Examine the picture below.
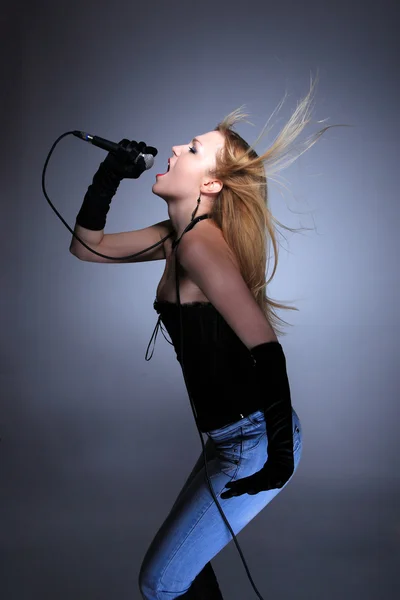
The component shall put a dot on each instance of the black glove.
(273, 383)
(115, 167)
(121, 163)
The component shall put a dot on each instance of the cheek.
(188, 172)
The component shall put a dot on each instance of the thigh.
(209, 449)
(194, 531)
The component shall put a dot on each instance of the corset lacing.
(155, 332)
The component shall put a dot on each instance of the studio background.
(97, 442)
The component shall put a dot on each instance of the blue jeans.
(177, 562)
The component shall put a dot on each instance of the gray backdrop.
(97, 442)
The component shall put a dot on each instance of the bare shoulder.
(210, 236)
(205, 230)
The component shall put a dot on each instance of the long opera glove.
(273, 385)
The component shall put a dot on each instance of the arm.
(209, 264)
(91, 238)
(125, 243)
(91, 219)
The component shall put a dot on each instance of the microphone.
(113, 147)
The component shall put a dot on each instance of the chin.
(156, 193)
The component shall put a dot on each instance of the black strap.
(189, 227)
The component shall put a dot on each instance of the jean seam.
(196, 523)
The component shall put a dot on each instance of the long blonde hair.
(241, 209)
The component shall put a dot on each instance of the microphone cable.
(189, 226)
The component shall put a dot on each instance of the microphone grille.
(148, 159)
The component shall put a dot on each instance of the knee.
(152, 589)
(147, 591)
(150, 585)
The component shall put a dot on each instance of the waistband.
(225, 429)
(217, 422)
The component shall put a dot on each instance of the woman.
(230, 327)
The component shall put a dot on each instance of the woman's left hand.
(270, 477)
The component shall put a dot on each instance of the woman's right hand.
(122, 164)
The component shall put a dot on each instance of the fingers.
(232, 491)
(125, 143)
(141, 146)
(151, 150)
(230, 494)
(147, 149)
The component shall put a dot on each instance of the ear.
(213, 186)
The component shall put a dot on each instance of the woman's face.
(189, 167)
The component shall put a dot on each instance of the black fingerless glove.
(112, 170)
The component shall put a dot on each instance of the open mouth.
(161, 174)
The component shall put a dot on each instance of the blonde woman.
(235, 367)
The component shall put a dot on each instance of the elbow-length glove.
(273, 383)
(113, 169)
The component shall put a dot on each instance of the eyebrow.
(196, 140)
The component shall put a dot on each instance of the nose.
(174, 149)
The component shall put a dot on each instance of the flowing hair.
(241, 209)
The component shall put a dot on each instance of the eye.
(192, 149)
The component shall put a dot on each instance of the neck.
(181, 219)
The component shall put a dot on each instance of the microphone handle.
(111, 146)
(97, 141)
(102, 143)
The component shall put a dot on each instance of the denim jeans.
(177, 562)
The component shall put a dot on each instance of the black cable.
(191, 224)
(71, 230)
